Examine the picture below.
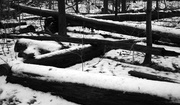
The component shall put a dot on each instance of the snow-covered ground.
(14, 94)
(116, 62)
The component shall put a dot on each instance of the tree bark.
(94, 89)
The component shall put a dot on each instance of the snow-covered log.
(29, 48)
(141, 74)
(68, 57)
(135, 16)
(94, 89)
(123, 44)
(158, 32)
(4, 69)
(10, 25)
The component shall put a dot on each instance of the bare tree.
(147, 59)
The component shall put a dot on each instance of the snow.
(61, 51)
(126, 84)
(18, 95)
(114, 65)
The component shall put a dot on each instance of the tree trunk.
(105, 9)
(1, 9)
(77, 6)
(113, 5)
(62, 18)
(124, 5)
(116, 9)
(94, 89)
(50, 4)
(157, 9)
(147, 59)
(157, 5)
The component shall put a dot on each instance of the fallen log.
(29, 28)
(135, 16)
(158, 32)
(4, 69)
(123, 44)
(152, 76)
(11, 25)
(94, 89)
(28, 48)
(67, 57)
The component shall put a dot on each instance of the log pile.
(82, 87)
(86, 88)
(55, 54)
